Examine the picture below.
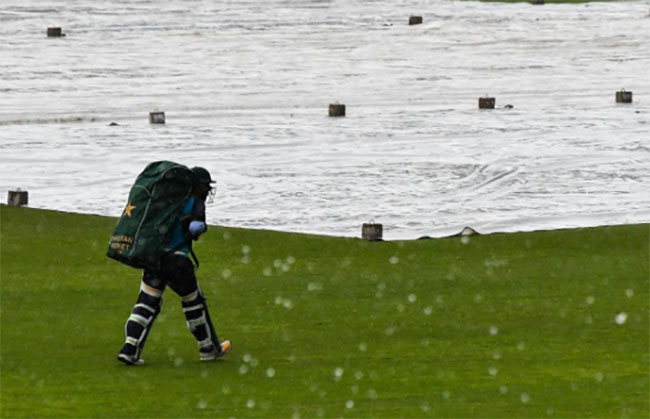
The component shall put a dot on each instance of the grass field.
(542, 324)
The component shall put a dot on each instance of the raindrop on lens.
(202, 404)
(590, 299)
(621, 318)
(394, 260)
(525, 398)
(629, 293)
(427, 311)
(363, 347)
(270, 372)
(494, 330)
(412, 298)
(250, 403)
(338, 373)
(349, 404)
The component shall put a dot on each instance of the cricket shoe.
(211, 354)
(130, 359)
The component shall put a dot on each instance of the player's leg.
(196, 311)
(142, 317)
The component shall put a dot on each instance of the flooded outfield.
(246, 90)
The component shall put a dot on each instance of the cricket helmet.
(203, 182)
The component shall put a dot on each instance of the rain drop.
(226, 273)
(496, 354)
(412, 298)
(266, 271)
(245, 249)
(503, 389)
(363, 347)
(427, 311)
(250, 403)
(629, 293)
(394, 260)
(202, 404)
(372, 394)
(525, 398)
(349, 404)
(621, 318)
(493, 371)
(521, 346)
(247, 358)
(446, 395)
(314, 286)
(338, 373)
(494, 330)
(599, 376)
(590, 299)
(243, 369)
(358, 375)
(178, 362)
(270, 372)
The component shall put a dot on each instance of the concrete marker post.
(54, 32)
(156, 117)
(336, 109)
(17, 198)
(486, 102)
(372, 231)
(623, 96)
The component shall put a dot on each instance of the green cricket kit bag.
(143, 230)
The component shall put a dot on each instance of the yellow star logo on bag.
(128, 209)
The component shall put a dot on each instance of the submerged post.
(337, 109)
(54, 32)
(156, 117)
(17, 198)
(371, 231)
(623, 96)
(486, 102)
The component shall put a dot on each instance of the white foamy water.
(246, 85)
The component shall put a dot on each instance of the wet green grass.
(505, 325)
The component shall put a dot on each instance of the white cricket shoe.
(130, 359)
